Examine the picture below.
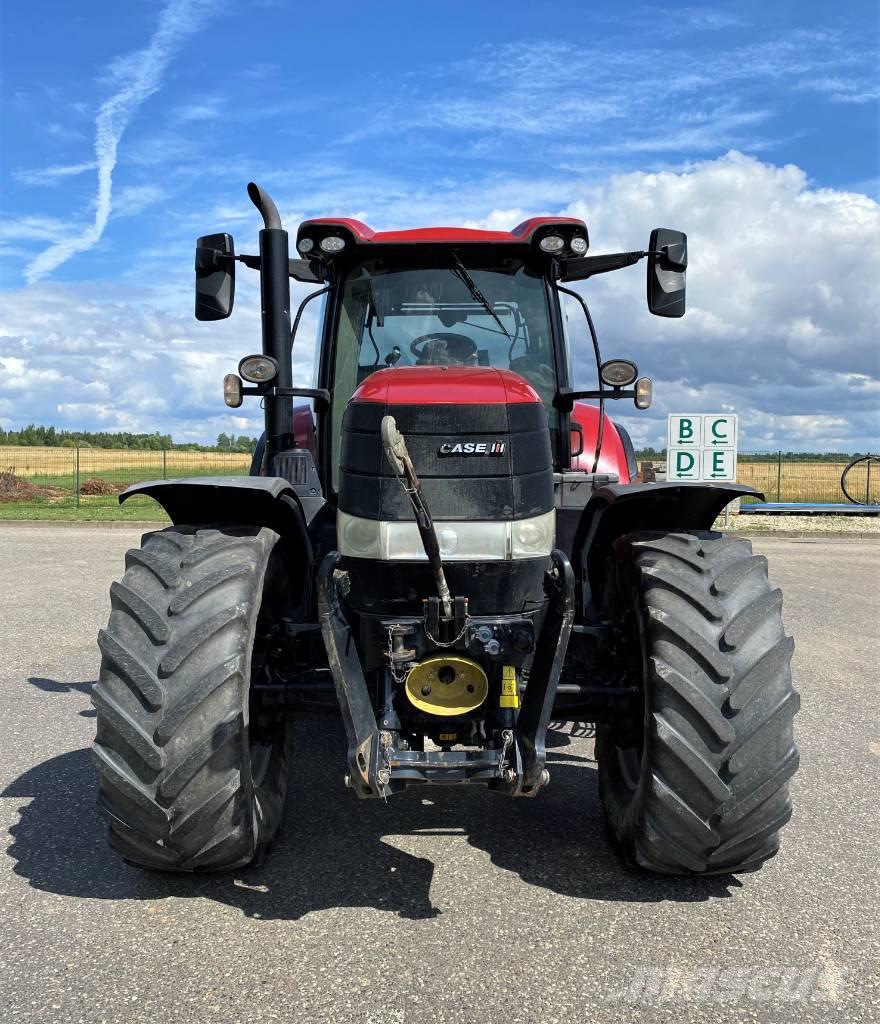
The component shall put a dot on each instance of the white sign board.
(701, 446)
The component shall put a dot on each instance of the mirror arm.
(320, 395)
(565, 398)
(588, 266)
(299, 270)
(581, 268)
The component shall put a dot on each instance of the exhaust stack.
(275, 306)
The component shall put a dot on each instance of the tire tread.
(172, 702)
(713, 794)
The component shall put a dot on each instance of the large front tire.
(192, 768)
(697, 782)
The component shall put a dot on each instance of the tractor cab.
(459, 297)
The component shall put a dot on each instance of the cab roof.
(363, 234)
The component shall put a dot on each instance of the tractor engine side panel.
(617, 455)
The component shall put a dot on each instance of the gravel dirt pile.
(95, 485)
(16, 489)
(13, 488)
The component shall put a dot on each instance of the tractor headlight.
(459, 541)
(530, 538)
(447, 536)
(552, 243)
(644, 393)
(258, 369)
(305, 245)
(579, 245)
(332, 243)
(359, 538)
(232, 390)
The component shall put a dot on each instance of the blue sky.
(129, 129)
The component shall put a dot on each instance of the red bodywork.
(446, 385)
(364, 234)
(612, 458)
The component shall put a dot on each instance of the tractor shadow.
(333, 850)
(54, 686)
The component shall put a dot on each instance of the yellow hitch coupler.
(447, 685)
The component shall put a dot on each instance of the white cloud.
(38, 229)
(51, 175)
(783, 310)
(623, 96)
(138, 75)
(132, 199)
(783, 302)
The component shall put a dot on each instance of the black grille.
(514, 485)
(441, 419)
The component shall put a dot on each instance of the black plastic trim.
(619, 509)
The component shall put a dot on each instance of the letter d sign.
(683, 464)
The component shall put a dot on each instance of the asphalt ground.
(440, 905)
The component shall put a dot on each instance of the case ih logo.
(473, 448)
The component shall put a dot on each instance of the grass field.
(48, 480)
(142, 465)
(809, 481)
(50, 477)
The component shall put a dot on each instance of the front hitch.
(377, 767)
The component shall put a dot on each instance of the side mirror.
(215, 277)
(667, 267)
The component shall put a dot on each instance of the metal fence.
(786, 479)
(57, 482)
(54, 482)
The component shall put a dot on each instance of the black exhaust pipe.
(275, 305)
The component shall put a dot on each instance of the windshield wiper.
(461, 272)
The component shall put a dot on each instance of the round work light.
(618, 373)
(258, 369)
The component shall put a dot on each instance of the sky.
(126, 130)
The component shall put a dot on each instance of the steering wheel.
(439, 348)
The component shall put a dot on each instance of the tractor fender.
(618, 509)
(238, 501)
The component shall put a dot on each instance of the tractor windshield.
(456, 313)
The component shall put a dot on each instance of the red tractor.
(448, 539)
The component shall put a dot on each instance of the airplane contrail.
(141, 72)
